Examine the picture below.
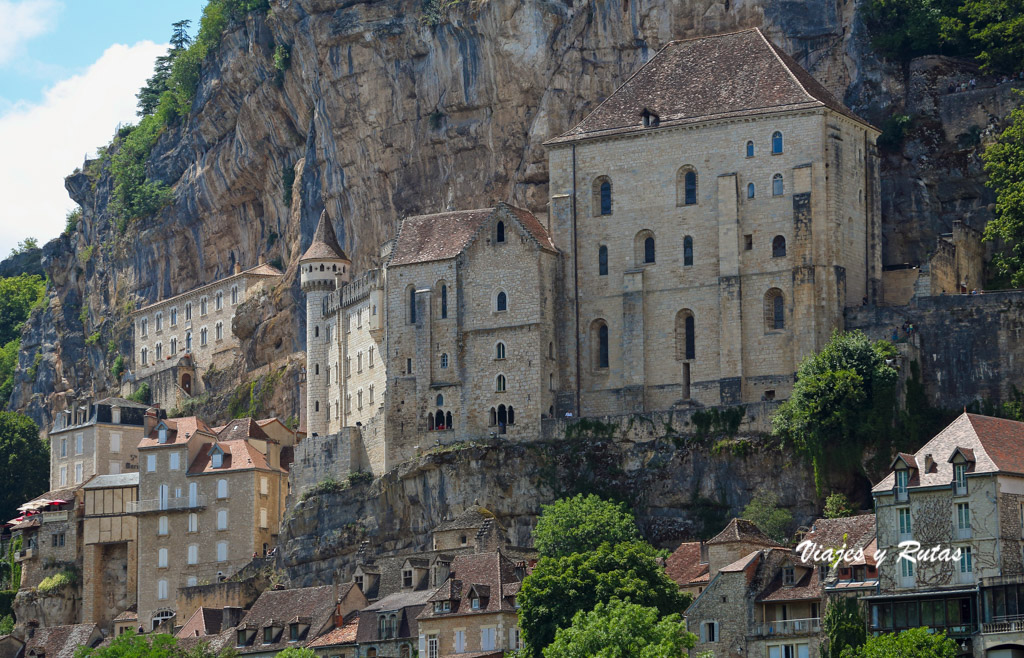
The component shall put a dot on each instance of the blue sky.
(69, 71)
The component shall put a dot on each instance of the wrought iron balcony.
(790, 627)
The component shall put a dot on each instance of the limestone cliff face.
(381, 114)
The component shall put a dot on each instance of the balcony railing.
(790, 627)
(1004, 625)
(54, 517)
(158, 505)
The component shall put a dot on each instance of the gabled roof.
(471, 518)
(314, 603)
(325, 242)
(808, 587)
(854, 531)
(239, 455)
(694, 80)
(242, 428)
(906, 458)
(344, 634)
(179, 430)
(685, 567)
(741, 530)
(426, 238)
(484, 575)
(121, 402)
(263, 269)
(203, 622)
(741, 564)
(997, 445)
(61, 641)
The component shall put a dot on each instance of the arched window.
(499, 232)
(203, 333)
(220, 331)
(774, 310)
(444, 301)
(750, 149)
(776, 142)
(602, 260)
(649, 249)
(511, 415)
(159, 351)
(448, 420)
(499, 383)
(502, 418)
(599, 336)
(501, 301)
(188, 341)
(439, 420)
(602, 196)
(750, 190)
(643, 248)
(686, 186)
(444, 363)
(383, 630)
(440, 400)
(430, 422)
(778, 247)
(687, 251)
(316, 331)
(777, 186)
(499, 350)
(493, 418)
(412, 305)
(144, 355)
(685, 335)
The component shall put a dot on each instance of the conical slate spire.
(325, 243)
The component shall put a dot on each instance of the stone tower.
(323, 269)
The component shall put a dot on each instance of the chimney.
(928, 463)
(152, 418)
(232, 617)
(262, 259)
(238, 270)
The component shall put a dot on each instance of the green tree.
(763, 511)
(18, 294)
(838, 506)
(912, 643)
(1004, 164)
(620, 629)
(843, 399)
(994, 29)
(6, 625)
(160, 645)
(843, 626)
(8, 365)
(24, 462)
(149, 95)
(559, 587)
(902, 29)
(581, 524)
(296, 652)
(28, 244)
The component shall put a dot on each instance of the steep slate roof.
(684, 566)
(807, 588)
(61, 641)
(487, 574)
(284, 605)
(741, 530)
(997, 445)
(242, 428)
(178, 432)
(207, 621)
(121, 402)
(325, 242)
(740, 564)
(470, 519)
(715, 77)
(854, 531)
(425, 238)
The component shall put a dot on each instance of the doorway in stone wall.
(186, 384)
(686, 381)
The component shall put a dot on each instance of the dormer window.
(407, 578)
(649, 119)
(960, 477)
(788, 576)
(241, 639)
(359, 582)
(161, 435)
(268, 635)
(293, 632)
(217, 459)
(474, 603)
(442, 606)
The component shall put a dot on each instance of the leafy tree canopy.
(581, 524)
(620, 629)
(18, 294)
(1004, 164)
(24, 462)
(994, 29)
(160, 645)
(560, 587)
(763, 511)
(843, 399)
(296, 652)
(838, 506)
(843, 626)
(912, 643)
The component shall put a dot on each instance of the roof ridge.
(775, 52)
(715, 36)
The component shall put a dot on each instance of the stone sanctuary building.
(703, 238)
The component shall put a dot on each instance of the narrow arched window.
(601, 196)
(750, 190)
(501, 302)
(774, 310)
(691, 188)
(778, 247)
(430, 421)
(444, 301)
(412, 305)
(777, 187)
(686, 342)
(606, 198)
(649, 249)
(499, 232)
(776, 142)
(499, 351)
(493, 418)
(444, 364)
(750, 149)
(316, 331)
(502, 417)
(511, 415)
(687, 251)
(599, 335)
(439, 420)
(499, 383)
(448, 420)
(602, 260)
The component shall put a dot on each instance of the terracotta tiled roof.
(239, 455)
(325, 242)
(61, 641)
(907, 458)
(179, 430)
(740, 564)
(484, 575)
(723, 76)
(242, 428)
(997, 445)
(425, 238)
(684, 566)
(344, 634)
(741, 530)
(203, 622)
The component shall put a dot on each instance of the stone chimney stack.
(232, 617)
(152, 418)
(238, 270)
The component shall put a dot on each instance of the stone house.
(688, 567)
(177, 339)
(209, 502)
(963, 490)
(95, 438)
(712, 233)
(109, 548)
(50, 532)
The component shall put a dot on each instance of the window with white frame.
(234, 295)
(203, 336)
(150, 463)
(63, 476)
(64, 449)
(219, 300)
(144, 327)
(144, 356)
(159, 351)
(219, 331)
(161, 526)
(79, 443)
(460, 641)
(115, 442)
(161, 559)
(371, 358)
(515, 642)
(159, 321)
(203, 305)
(222, 551)
(188, 311)
(174, 317)
(264, 485)
(222, 519)
(906, 527)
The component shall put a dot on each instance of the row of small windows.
(204, 336)
(685, 330)
(158, 318)
(645, 250)
(500, 301)
(776, 145)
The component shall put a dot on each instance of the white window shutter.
(703, 633)
(423, 644)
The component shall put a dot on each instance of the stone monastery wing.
(716, 77)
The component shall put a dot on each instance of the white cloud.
(44, 142)
(21, 21)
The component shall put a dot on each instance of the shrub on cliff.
(1004, 164)
(844, 399)
(581, 524)
(763, 511)
(621, 628)
(18, 294)
(135, 196)
(24, 462)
